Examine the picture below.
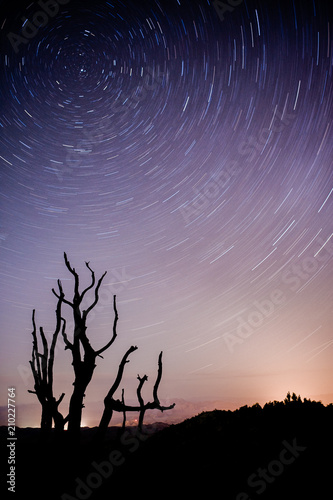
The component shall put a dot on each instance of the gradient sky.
(188, 152)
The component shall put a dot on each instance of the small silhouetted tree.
(287, 398)
(42, 369)
(111, 404)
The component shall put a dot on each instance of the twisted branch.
(114, 330)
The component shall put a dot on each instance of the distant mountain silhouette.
(280, 451)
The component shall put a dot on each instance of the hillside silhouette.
(282, 450)
(237, 454)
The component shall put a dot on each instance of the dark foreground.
(282, 451)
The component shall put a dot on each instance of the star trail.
(186, 148)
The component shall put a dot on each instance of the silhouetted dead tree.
(42, 369)
(111, 404)
(155, 404)
(83, 368)
(83, 362)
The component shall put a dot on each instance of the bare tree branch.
(138, 391)
(45, 354)
(54, 338)
(62, 295)
(114, 330)
(140, 399)
(109, 401)
(124, 411)
(91, 284)
(60, 399)
(35, 364)
(68, 344)
(119, 376)
(71, 269)
(86, 312)
(158, 379)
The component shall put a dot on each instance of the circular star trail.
(187, 149)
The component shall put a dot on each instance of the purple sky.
(188, 153)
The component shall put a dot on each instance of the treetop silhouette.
(83, 362)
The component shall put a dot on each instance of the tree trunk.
(105, 420)
(59, 422)
(75, 410)
(141, 417)
(46, 420)
(84, 373)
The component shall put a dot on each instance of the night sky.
(187, 150)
